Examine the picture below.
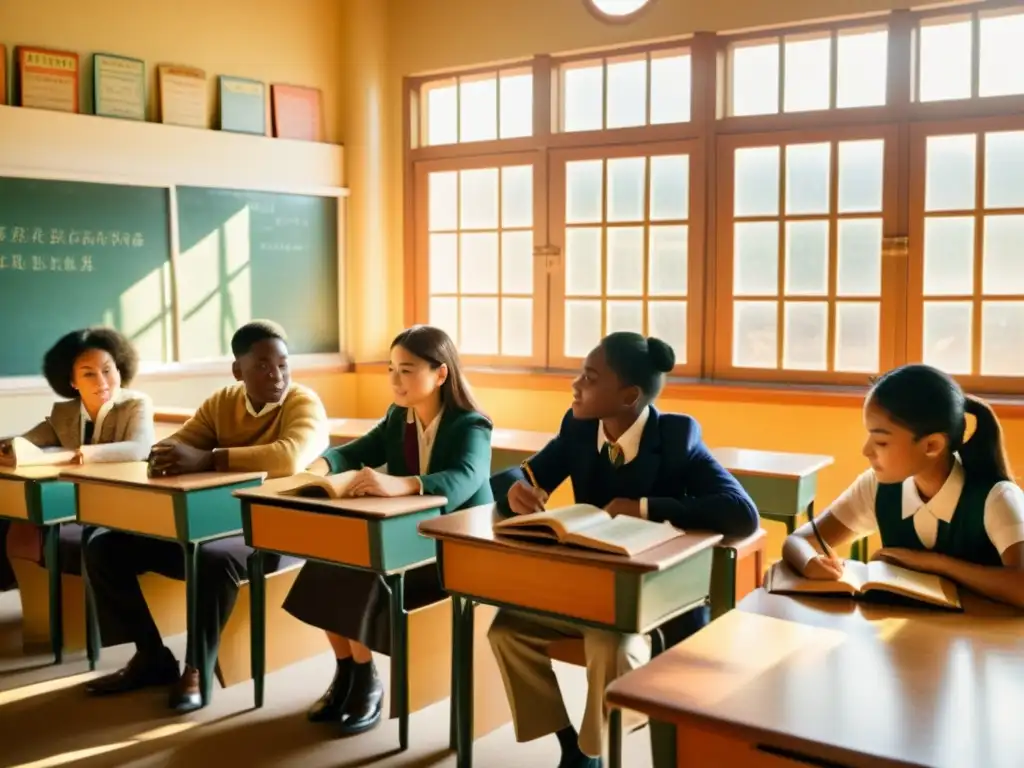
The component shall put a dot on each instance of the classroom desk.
(188, 509)
(35, 495)
(634, 595)
(369, 534)
(786, 682)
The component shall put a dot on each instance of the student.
(263, 424)
(434, 440)
(624, 456)
(941, 504)
(98, 421)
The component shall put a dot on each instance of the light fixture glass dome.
(618, 7)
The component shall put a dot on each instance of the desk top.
(365, 506)
(846, 681)
(134, 474)
(42, 472)
(744, 461)
(476, 525)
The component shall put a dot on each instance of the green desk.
(368, 534)
(629, 595)
(188, 509)
(35, 495)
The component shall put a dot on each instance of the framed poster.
(119, 86)
(182, 96)
(297, 111)
(47, 79)
(243, 105)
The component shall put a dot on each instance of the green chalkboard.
(75, 254)
(246, 255)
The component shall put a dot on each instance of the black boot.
(328, 707)
(362, 710)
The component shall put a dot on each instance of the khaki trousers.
(520, 644)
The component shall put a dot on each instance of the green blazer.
(460, 462)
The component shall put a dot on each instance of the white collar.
(943, 504)
(101, 415)
(629, 443)
(425, 431)
(267, 408)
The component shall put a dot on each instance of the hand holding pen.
(826, 567)
(526, 498)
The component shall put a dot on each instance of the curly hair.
(254, 332)
(59, 361)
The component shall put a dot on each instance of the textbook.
(19, 452)
(589, 527)
(307, 484)
(859, 579)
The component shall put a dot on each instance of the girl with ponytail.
(941, 495)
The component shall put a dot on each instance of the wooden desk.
(188, 509)
(370, 534)
(827, 681)
(635, 594)
(35, 495)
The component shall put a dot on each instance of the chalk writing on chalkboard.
(61, 236)
(37, 263)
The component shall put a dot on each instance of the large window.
(811, 205)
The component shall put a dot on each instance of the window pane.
(517, 262)
(668, 260)
(478, 262)
(949, 256)
(444, 263)
(859, 268)
(1004, 168)
(807, 178)
(517, 196)
(582, 327)
(625, 316)
(670, 89)
(584, 98)
(857, 335)
(478, 327)
(755, 334)
(807, 258)
(625, 261)
(627, 182)
(516, 104)
(444, 314)
(479, 199)
(947, 336)
(517, 327)
(583, 188)
(1003, 256)
(949, 173)
(670, 187)
(945, 61)
(443, 201)
(862, 69)
(806, 336)
(442, 115)
(808, 68)
(861, 165)
(1001, 65)
(756, 182)
(478, 109)
(1002, 338)
(667, 321)
(755, 79)
(583, 261)
(627, 93)
(756, 258)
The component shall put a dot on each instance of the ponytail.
(984, 454)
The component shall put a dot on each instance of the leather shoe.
(362, 709)
(328, 708)
(142, 671)
(186, 695)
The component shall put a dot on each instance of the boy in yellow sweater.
(262, 424)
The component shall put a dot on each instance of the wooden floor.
(46, 720)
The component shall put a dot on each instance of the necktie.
(88, 432)
(411, 448)
(615, 455)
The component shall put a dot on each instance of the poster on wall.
(243, 105)
(182, 95)
(119, 86)
(297, 112)
(47, 79)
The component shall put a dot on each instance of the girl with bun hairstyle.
(623, 455)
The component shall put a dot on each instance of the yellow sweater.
(280, 442)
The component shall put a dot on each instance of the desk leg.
(93, 641)
(53, 568)
(663, 744)
(196, 657)
(464, 698)
(723, 581)
(615, 738)
(257, 624)
(453, 716)
(400, 657)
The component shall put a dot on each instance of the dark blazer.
(683, 483)
(460, 462)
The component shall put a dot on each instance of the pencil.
(529, 474)
(825, 548)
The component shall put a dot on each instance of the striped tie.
(615, 455)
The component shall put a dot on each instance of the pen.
(825, 548)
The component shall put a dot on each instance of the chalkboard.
(246, 255)
(76, 254)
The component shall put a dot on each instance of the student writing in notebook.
(942, 504)
(434, 440)
(264, 423)
(623, 455)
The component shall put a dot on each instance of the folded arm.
(140, 435)
(1003, 583)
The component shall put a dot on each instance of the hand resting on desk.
(174, 458)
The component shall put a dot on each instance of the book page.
(564, 520)
(924, 586)
(782, 578)
(624, 535)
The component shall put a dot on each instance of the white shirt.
(267, 407)
(425, 439)
(629, 444)
(1004, 508)
(100, 418)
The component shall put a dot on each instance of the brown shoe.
(186, 695)
(140, 672)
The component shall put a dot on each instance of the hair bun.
(660, 354)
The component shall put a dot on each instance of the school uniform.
(661, 461)
(450, 457)
(971, 520)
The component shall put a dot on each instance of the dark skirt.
(357, 604)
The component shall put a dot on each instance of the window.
(481, 107)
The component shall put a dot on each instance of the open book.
(19, 452)
(861, 578)
(308, 484)
(583, 525)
